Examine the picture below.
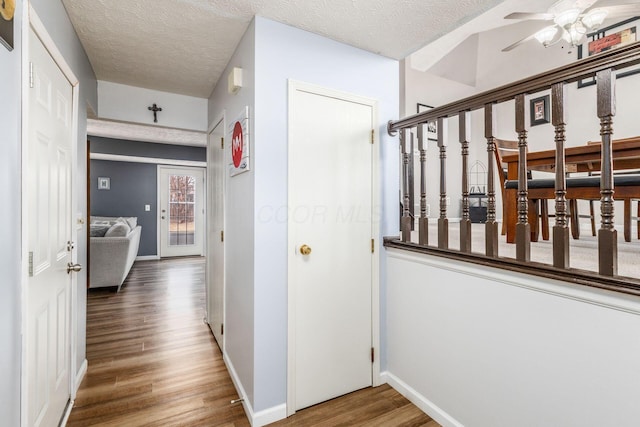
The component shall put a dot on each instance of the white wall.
(58, 25)
(283, 53)
(478, 346)
(10, 259)
(130, 104)
(256, 282)
(239, 229)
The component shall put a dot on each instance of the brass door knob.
(73, 267)
(305, 250)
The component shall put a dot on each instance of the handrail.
(621, 57)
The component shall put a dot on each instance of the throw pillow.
(132, 221)
(119, 229)
(98, 230)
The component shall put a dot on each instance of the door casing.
(294, 86)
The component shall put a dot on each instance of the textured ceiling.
(182, 46)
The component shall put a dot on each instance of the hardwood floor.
(154, 362)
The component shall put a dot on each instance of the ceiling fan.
(571, 20)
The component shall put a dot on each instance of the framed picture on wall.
(432, 127)
(611, 37)
(539, 110)
(104, 183)
(7, 10)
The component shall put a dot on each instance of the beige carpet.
(583, 252)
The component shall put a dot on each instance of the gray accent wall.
(132, 186)
(10, 305)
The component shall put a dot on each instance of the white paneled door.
(49, 229)
(330, 232)
(181, 191)
(215, 237)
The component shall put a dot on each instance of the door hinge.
(222, 236)
(31, 74)
(372, 135)
(222, 143)
(373, 354)
(373, 245)
(221, 328)
(30, 264)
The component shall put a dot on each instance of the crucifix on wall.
(155, 110)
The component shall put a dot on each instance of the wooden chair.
(538, 208)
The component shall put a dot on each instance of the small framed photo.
(7, 12)
(104, 183)
(432, 127)
(539, 109)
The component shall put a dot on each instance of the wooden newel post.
(423, 222)
(523, 228)
(607, 235)
(491, 226)
(560, 229)
(405, 222)
(464, 126)
(443, 222)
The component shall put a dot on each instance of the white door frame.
(31, 20)
(218, 123)
(203, 205)
(294, 86)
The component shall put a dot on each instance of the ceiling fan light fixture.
(546, 34)
(594, 18)
(574, 34)
(566, 18)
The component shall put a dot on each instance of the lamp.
(594, 18)
(546, 34)
(567, 17)
(574, 34)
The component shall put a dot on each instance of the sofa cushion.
(98, 230)
(132, 221)
(119, 229)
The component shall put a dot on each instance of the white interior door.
(49, 230)
(330, 196)
(181, 196)
(215, 240)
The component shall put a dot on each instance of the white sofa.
(113, 248)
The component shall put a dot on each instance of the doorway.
(181, 199)
(332, 265)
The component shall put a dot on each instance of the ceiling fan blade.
(527, 15)
(518, 43)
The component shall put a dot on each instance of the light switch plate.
(147, 208)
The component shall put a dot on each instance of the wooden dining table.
(582, 158)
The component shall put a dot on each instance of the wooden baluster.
(423, 225)
(523, 228)
(464, 127)
(607, 235)
(561, 228)
(443, 222)
(491, 226)
(405, 223)
(412, 190)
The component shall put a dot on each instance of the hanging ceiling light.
(573, 26)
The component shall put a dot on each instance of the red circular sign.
(236, 144)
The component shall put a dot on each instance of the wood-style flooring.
(154, 362)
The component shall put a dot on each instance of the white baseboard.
(147, 258)
(80, 376)
(270, 415)
(257, 419)
(428, 407)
